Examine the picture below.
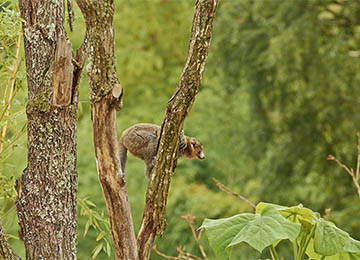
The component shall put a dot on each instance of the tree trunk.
(46, 202)
(178, 107)
(106, 95)
(6, 252)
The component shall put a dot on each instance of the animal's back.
(140, 139)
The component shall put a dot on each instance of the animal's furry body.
(141, 141)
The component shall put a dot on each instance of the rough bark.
(46, 202)
(6, 252)
(106, 95)
(178, 107)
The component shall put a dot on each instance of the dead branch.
(106, 99)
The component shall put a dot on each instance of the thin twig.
(182, 255)
(186, 254)
(349, 171)
(190, 220)
(163, 255)
(227, 190)
(358, 159)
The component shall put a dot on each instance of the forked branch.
(350, 171)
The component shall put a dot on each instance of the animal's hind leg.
(149, 166)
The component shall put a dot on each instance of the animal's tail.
(123, 156)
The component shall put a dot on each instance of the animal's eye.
(193, 143)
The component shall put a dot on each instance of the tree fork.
(178, 107)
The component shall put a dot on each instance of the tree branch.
(350, 171)
(229, 191)
(178, 107)
(190, 220)
(106, 98)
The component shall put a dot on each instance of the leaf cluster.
(308, 233)
(100, 223)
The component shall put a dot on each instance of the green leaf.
(353, 246)
(265, 229)
(89, 202)
(108, 248)
(100, 236)
(329, 239)
(295, 214)
(258, 230)
(97, 250)
(339, 256)
(221, 232)
(87, 226)
(351, 251)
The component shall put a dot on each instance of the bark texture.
(178, 107)
(46, 202)
(106, 96)
(6, 253)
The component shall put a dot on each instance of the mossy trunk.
(47, 190)
(177, 109)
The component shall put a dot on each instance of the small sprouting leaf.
(82, 212)
(294, 214)
(89, 202)
(87, 226)
(94, 222)
(108, 248)
(97, 250)
(329, 239)
(258, 230)
(100, 236)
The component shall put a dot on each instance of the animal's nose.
(202, 156)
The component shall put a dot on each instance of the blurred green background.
(280, 92)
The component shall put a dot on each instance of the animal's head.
(194, 149)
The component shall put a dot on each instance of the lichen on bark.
(46, 202)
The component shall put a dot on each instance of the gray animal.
(141, 141)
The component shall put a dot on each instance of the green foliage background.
(280, 92)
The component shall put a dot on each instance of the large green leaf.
(329, 239)
(258, 230)
(221, 232)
